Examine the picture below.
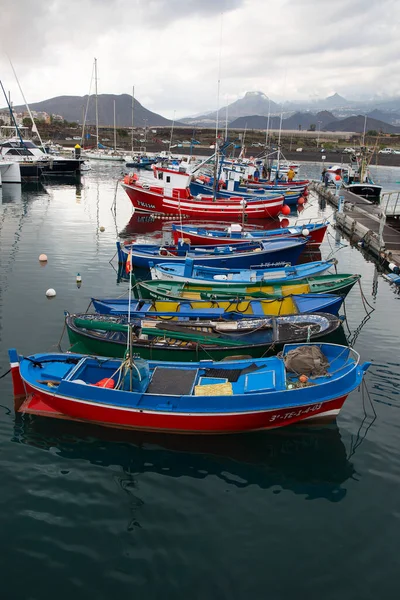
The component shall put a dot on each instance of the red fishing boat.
(206, 397)
(169, 194)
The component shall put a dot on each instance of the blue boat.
(314, 232)
(143, 162)
(191, 270)
(231, 308)
(179, 397)
(291, 196)
(272, 253)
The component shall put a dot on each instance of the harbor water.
(309, 512)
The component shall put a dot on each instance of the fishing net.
(307, 360)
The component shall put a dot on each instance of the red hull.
(153, 201)
(315, 238)
(42, 403)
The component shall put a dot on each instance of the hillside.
(71, 108)
(391, 118)
(252, 103)
(296, 121)
(356, 124)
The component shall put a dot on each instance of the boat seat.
(174, 382)
(146, 307)
(257, 308)
(259, 381)
(266, 379)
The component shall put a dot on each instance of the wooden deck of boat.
(375, 227)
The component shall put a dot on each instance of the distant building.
(5, 116)
(57, 118)
(39, 116)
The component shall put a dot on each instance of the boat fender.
(163, 252)
(305, 232)
(145, 186)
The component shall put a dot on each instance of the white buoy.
(50, 293)
(79, 278)
(392, 266)
(102, 228)
(305, 232)
(43, 258)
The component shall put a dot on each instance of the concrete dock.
(374, 226)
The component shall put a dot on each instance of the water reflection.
(304, 460)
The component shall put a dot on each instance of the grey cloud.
(292, 48)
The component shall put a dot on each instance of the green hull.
(86, 344)
(339, 285)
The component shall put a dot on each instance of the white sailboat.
(99, 153)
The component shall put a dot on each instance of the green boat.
(340, 285)
(106, 335)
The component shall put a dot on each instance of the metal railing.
(390, 203)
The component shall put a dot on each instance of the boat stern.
(18, 384)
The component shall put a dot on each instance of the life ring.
(163, 252)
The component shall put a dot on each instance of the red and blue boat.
(168, 193)
(272, 253)
(189, 398)
(200, 235)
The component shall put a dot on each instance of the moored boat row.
(229, 335)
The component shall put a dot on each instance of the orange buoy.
(285, 210)
(285, 223)
(303, 378)
(300, 200)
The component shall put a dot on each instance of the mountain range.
(297, 121)
(253, 103)
(322, 121)
(334, 113)
(72, 109)
(257, 105)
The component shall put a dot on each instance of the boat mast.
(365, 128)
(172, 133)
(115, 132)
(226, 120)
(34, 127)
(269, 115)
(12, 116)
(215, 185)
(96, 103)
(279, 144)
(133, 107)
(86, 110)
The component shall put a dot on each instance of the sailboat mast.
(172, 133)
(96, 103)
(269, 115)
(34, 127)
(279, 144)
(12, 116)
(216, 145)
(86, 110)
(115, 132)
(365, 128)
(226, 120)
(133, 108)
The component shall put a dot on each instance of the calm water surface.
(88, 512)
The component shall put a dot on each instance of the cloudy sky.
(174, 50)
